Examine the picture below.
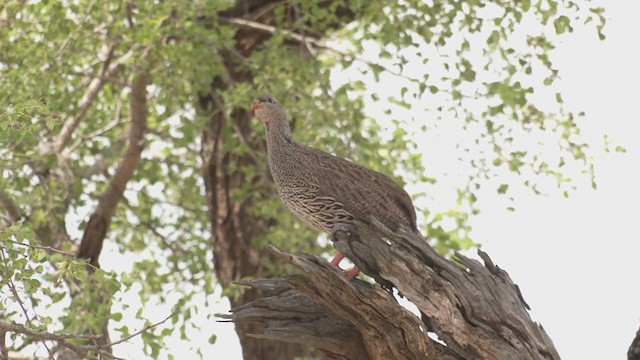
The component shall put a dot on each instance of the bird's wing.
(362, 192)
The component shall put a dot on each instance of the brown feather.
(324, 190)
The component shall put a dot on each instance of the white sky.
(575, 259)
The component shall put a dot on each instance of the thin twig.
(12, 287)
(42, 247)
(267, 8)
(254, 25)
(6, 326)
(14, 291)
(171, 245)
(147, 328)
(62, 339)
(108, 70)
(115, 122)
(308, 41)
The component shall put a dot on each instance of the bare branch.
(96, 229)
(305, 311)
(145, 329)
(117, 121)
(46, 233)
(109, 69)
(45, 248)
(14, 291)
(17, 297)
(131, 158)
(172, 245)
(254, 25)
(98, 225)
(62, 339)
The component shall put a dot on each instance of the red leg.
(349, 274)
(352, 273)
(336, 260)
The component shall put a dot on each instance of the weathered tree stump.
(474, 309)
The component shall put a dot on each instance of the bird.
(324, 190)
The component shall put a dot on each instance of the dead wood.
(473, 308)
(634, 349)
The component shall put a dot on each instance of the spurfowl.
(324, 190)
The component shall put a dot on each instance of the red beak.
(256, 105)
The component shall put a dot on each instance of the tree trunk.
(475, 309)
(233, 226)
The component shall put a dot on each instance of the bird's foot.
(349, 274)
(336, 260)
(352, 273)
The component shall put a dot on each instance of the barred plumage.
(323, 189)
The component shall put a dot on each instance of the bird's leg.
(352, 273)
(336, 260)
(345, 229)
(349, 274)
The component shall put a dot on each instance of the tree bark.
(233, 228)
(475, 309)
(634, 349)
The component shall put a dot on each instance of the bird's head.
(268, 110)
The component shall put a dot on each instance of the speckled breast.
(301, 195)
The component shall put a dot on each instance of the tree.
(126, 125)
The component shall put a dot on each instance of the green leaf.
(492, 40)
(562, 24)
(39, 255)
(112, 286)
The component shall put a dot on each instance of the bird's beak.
(256, 105)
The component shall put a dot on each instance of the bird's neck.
(283, 152)
(279, 137)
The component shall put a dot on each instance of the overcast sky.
(576, 260)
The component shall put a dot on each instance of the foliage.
(52, 52)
